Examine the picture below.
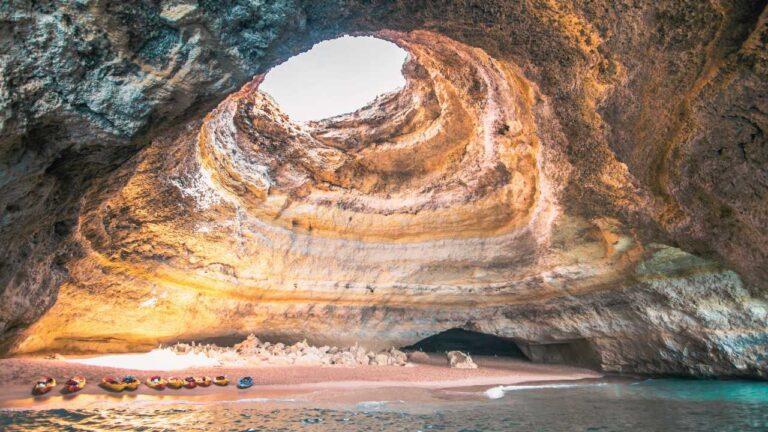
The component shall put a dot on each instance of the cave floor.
(315, 386)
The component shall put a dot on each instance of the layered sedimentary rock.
(587, 180)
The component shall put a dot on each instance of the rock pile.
(254, 351)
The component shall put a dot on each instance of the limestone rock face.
(587, 180)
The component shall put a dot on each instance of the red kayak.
(43, 385)
(203, 381)
(75, 384)
(189, 382)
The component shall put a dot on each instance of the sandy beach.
(428, 380)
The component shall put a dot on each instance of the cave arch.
(474, 343)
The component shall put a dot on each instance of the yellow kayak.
(131, 382)
(221, 380)
(112, 384)
(174, 382)
(156, 382)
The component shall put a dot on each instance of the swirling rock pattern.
(433, 161)
(528, 182)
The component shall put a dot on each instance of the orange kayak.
(174, 382)
(112, 384)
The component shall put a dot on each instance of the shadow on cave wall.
(575, 352)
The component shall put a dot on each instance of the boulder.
(397, 357)
(250, 345)
(345, 358)
(460, 360)
(360, 355)
(418, 357)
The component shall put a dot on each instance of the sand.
(307, 385)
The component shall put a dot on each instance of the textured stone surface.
(530, 182)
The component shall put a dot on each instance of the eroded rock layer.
(552, 173)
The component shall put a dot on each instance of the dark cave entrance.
(575, 352)
(474, 343)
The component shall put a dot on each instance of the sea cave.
(571, 183)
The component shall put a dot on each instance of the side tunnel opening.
(576, 352)
(474, 343)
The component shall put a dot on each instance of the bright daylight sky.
(335, 77)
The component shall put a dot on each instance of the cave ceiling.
(583, 173)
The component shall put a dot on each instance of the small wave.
(14, 409)
(371, 405)
(158, 402)
(499, 391)
(262, 400)
(142, 403)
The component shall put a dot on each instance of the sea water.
(651, 405)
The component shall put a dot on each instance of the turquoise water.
(652, 405)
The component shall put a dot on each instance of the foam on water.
(376, 405)
(499, 391)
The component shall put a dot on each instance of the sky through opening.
(335, 77)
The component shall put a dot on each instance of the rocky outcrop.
(418, 357)
(585, 179)
(253, 352)
(460, 360)
(84, 85)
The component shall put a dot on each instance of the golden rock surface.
(434, 207)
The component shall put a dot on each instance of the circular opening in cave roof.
(335, 77)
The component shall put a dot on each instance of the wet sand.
(318, 386)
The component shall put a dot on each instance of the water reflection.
(653, 405)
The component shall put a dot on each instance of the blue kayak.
(245, 382)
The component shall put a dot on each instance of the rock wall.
(85, 85)
(586, 178)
